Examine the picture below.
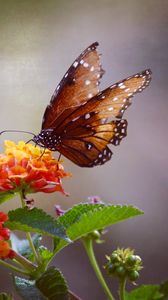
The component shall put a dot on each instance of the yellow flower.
(27, 168)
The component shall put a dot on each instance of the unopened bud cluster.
(123, 263)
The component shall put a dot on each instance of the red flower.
(24, 168)
(5, 250)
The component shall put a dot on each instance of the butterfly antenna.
(5, 131)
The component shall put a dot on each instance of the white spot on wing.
(122, 86)
(86, 64)
(87, 82)
(90, 95)
(113, 86)
(75, 64)
(92, 69)
(87, 116)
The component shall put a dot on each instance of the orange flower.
(23, 167)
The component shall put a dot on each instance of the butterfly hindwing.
(88, 147)
(78, 85)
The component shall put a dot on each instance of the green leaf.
(84, 218)
(52, 285)
(4, 296)
(22, 246)
(5, 196)
(27, 289)
(145, 292)
(164, 290)
(35, 220)
(45, 254)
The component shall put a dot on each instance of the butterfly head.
(47, 139)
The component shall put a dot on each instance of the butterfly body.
(76, 122)
(48, 139)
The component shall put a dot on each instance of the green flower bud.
(95, 235)
(110, 268)
(131, 260)
(114, 257)
(123, 263)
(138, 259)
(133, 275)
(120, 271)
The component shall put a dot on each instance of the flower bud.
(122, 263)
(133, 275)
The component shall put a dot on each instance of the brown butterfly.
(75, 122)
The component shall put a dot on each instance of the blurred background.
(38, 42)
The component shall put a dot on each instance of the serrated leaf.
(74, 214)
(52, 285)
(84, 218)
(35, 220)
(27, 289)
(5, 196)
(4, 296)
(145, 292)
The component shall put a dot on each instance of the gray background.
(38, 42)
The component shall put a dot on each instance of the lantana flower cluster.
(5, 250)
(25, 167)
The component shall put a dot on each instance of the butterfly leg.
(59, 157)
(29, 141)
(42, 153)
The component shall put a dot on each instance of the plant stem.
(13, 268)
(89, 249)
(28, 235)
(122, 289)
(24, 262)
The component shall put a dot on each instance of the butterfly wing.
(112, 102)
(88, 147)
(79, 84)
(85, 133)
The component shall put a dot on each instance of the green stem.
(28, 235)
(25, 262)
(122, 289)
(38, 260)
(89, 249)
(13, 268)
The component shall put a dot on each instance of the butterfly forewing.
(112, 102)
(78, 85)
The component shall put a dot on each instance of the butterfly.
(76, 121)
